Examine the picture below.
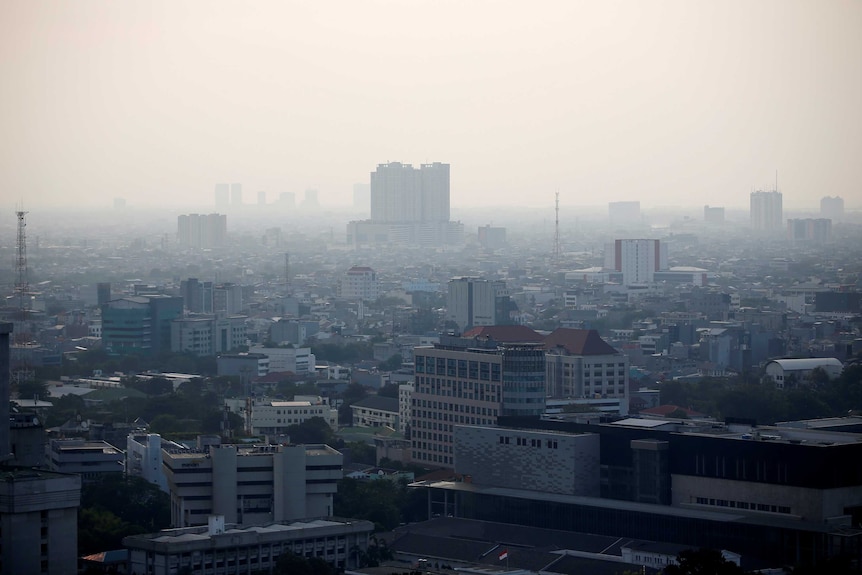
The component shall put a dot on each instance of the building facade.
(205, 335)
(470, 381)
(636, 259)
(252, 484)
(360, 283)
(268, 417)
(144, 457)
(473, 302)
(580, 364)
(544, 461)
(202, 231)
(766, 211)
(235, 550)
(91, 460)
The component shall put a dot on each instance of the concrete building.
(405, 393)
(545, 461)
(252, 484)
(263, 416)
(473, 380)
(376, 411)
(231, 549)
(293, 331)
(408, 206)
(235, 195)
(713, 215)
(139, 324)
(759, 491)
(201, 231)
(766, 211)
(144, 457)
(91, 460)
(38, 508)
(492, 238)
(636, 259)
(297, 360)
(580, 364)
(205, 335)
(793, 372)
(832, 208)
(473, 302)
(39, 521)
(809, 230)
(248, 365)
(222, 196)
(360, 283)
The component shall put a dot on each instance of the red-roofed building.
(360, 283)
(580, 364)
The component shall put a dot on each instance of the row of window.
(533, 442)
(742, 505)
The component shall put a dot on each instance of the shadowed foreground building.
(233, 549)
(782, 495)
(38, 509)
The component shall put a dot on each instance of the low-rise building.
(89, 459)
(376, 411)
(231, 549)
(787, 372)
(243, 364)
(271, 417)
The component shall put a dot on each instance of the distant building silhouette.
(624, 213)
(408, 207)
(222, 196)
(201, 230)
(637, 259)
(832, 208)
(236, 195)
(713, 215)
(809, 230)
(766, 211)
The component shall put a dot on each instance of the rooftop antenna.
(22, 372)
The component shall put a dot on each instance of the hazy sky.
(667, 102)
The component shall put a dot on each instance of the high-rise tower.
(766, 211)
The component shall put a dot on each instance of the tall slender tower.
(21, 370)
(557, 251)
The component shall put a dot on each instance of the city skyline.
(670, 104)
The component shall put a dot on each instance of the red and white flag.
(504, 554)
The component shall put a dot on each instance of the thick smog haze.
(669, 103)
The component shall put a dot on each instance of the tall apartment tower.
(637, 259)
(236, 195)
(713, 215)
(832, 208)
(222, 196)
(767, 214)
(201, 230)
(402, 194)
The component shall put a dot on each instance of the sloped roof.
(505, 333)
(579, 342)
(389, 404)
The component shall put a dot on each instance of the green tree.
(35, 389)
(310, 431)
(391, 364)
